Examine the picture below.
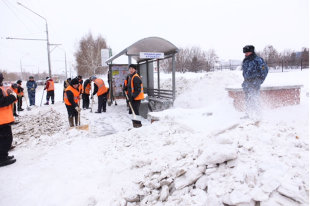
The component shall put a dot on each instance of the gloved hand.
(44, 88)
(10, 92)
(77, 109)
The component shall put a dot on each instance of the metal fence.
(280, 66)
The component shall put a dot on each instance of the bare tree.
(191, 60)
(211, 59)
(88, 56)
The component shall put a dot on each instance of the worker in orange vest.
(135, 92)
(15, 91)
(49, 87)
(102, 93)
(71, 100)
(7, 98)
(85, 93)
(20, 94)
(80, 83)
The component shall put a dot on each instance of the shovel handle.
(133, 112)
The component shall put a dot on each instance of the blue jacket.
(31, 86)
(254, 72)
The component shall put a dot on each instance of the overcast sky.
(223, 25)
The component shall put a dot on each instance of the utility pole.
(47, 39)
(21, 69)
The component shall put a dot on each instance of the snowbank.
(199, 153)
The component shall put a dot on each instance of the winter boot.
(7, 161)
(52, 102)
(46, 103)
(71, 121)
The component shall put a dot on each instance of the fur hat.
(248, 48)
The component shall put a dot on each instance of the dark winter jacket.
(95, 89)
(31, 86)
(253, 71)
(136, 85)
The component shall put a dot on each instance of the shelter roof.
(149, 44)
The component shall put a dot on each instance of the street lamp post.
(47, 39)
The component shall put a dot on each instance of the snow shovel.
(81, 127)
(92, 99)
(134, 119)
(42, 97)
(28, 108)
(92, 103)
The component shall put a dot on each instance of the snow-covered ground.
(199, 153)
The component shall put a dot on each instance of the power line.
(10, 7)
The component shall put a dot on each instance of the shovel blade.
(136, 124)
(83, 127)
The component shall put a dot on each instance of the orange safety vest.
(125, 84)
(141, 95)
(87, 89)
(50, 86)
(101, 87)
(76, 95)
(6, 113)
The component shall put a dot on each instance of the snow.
(199, 152)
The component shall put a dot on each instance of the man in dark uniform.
(135, 92)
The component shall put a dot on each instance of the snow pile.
(31, 126)
(234, 168)
(199, 153)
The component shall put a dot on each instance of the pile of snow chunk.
(188, 176)
(232, 171)
(34, 126)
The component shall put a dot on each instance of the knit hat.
(74, 81)
(248, 48)
(93, 77)
(14, 85)
(19, 82)
(133, 66)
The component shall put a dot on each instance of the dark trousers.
(50, 94)
(135, 105)
(6, 139)
(19, 102)
(14, 109)
(85, 98)
(102, 102)
(71, 111)
(32, 98)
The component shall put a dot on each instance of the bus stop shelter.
(146, 52)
